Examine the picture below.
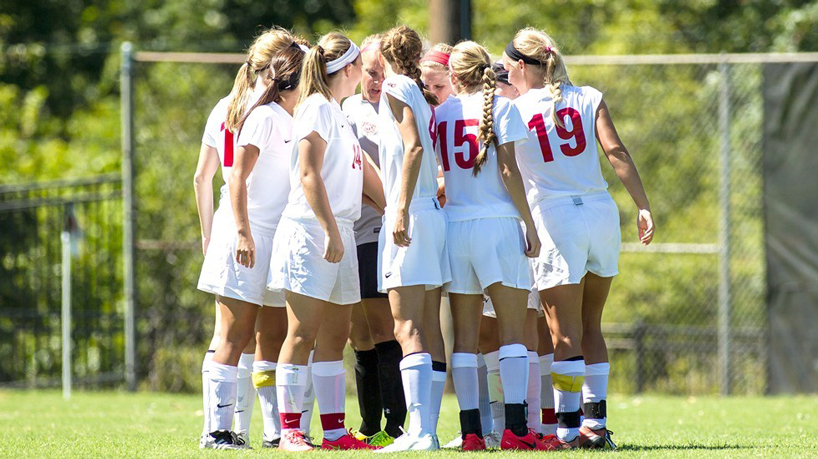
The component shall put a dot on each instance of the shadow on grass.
(693, 447)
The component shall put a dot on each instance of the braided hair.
(402, 48)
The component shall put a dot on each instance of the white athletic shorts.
(579, 234)
(299, 266)
(224, 276)
(533, 303)
(485, 251)
(425, 261)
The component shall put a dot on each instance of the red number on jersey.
(460, 138)
(443, 135)
(228, 147)
(577, 133)
(357, 162)
(433, 128)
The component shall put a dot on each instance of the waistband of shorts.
(576, 200)
(342, 223)
(416, 205)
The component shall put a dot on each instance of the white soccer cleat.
(492, 440)
(223, 439)
(456, 443)
(407, 442)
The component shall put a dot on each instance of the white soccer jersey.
(458, 120)
(560, 161)
(342, 170)
(269, 128)
(363, 116)
(407, 91)
(216, 135)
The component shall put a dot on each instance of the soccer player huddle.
(448, 175)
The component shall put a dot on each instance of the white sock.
(549, 420)
(329, 383)
(438, 385)
(514, 372)
(264, 382)
(533, 393)
(208, 357)
(223, 381)
(245, 395)
(497, 399)
(464, 375)
(595, 390)
(308, 407)
(291, 380)
(484, 400)
(416, 374)
(567, 376)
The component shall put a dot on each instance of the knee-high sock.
(308, 406)
(464, 375)
(291, 382)
(368, 388)
(533, 394)
(514, 374)
(208, 357)
(416, 373)
(329, 383)
(498, 411)
(245, 395)
(438, 385)
(594, 393)
(484, 401)
(568, 377)
(392, 398)
(264, 380)
(549, 418)
(223, 381)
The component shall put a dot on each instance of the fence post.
(639, 348)
(65, 237)
(128, 246)
(724, 313)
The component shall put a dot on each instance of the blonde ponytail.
(538, 45)
(261, 52)
(314, 76)
(486, 134)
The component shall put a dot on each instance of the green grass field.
(114, 424)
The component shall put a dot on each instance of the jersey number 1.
(537, 124)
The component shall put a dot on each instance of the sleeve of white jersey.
(593, 96)
(508, 124)
(349, 111)
(399, 88)
(257, 129)
(211, 129)
(315, 116)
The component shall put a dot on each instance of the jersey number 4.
(576, 132)
(460, 139)
(228, 147)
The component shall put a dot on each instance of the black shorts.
(368, 270)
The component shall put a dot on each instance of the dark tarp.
(791, 217)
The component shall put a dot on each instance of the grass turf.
(116, 424)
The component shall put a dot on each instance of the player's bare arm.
(411, 166)
(203, 188)
(311, 150)
(513, 181)
(244, 161)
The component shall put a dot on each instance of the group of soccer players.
(449, 174)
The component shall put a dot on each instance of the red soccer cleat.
(473, 443)
(293, 440)
(528, 442)
(347, 442)
(553, 442)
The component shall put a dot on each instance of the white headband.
(343, 61)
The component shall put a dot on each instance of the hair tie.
(437, 56)
(548, 50)
(320, 49)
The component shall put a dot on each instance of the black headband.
(289, 83)
(513, 53)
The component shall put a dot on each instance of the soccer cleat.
(293, 440)
(595, 439)
(271, 443)
(492, 439)
(527, 442)
(553, 442)
(242, 439)
(379, 439)
(222, 439)
(347, 442)
(407, 442)
(456, 443)
(436, 441)
(473, 443)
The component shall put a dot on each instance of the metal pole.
(66, 309)
(724, 315)
(127, 114)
